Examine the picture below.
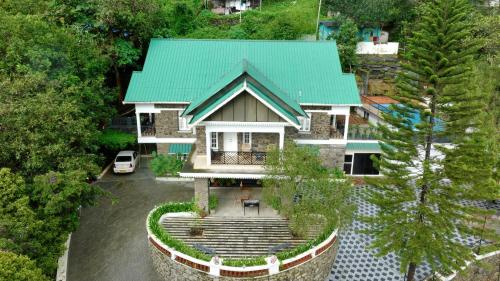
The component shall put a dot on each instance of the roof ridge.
(244, 40)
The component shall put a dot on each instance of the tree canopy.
(301, 189)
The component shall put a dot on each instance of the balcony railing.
(359, 132)
(336, 133)
(148, 130)
(238, 157)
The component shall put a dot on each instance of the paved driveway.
(111, 243)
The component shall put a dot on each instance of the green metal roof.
(215, 102)
(363, 146)
(179, 148)
(187, 70)
(211, 104)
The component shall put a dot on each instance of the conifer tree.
(419, 199)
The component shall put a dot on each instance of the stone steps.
(234, 236)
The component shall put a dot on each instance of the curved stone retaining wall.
(312, 265)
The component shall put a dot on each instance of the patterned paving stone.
(356, 262)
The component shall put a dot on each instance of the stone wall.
(262, 142)
(332, 155)
(162, 148)
(201, 193)
(320, 128)
(315, 269)
(167, 125)
(201, 140)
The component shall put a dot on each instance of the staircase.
(234, 237)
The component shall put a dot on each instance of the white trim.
(183, 122)
(340, 110)
(216, 140)
(222, 175)
(328, 141)
(171, 109)
(165, 140)
(346, 126)
(218, 106)
(138, 121)
(242, 129)
(305, 122)
(249, 138)
(243, 124)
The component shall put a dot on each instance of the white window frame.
(249, 135)
(352, 162)
(183, 122)
(214, 136)
(305, 123)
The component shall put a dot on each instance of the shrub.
(213, 202)
(19, 268)
(162, 165)
(245, 261)
(114, 140)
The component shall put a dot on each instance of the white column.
(138, 121)
(208, 141)
(346, 127)
(282, 137)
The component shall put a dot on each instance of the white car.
(125, 162)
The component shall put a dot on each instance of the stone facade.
(162, 148)
(332, 155)
(201, 193)
(320, 128)
(262, 142)
(316, 269)
(201, 142)
(167, 125)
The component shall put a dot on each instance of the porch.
(231, 203)
(242, 146)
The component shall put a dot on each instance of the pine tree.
(419, 199)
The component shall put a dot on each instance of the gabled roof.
(208, 106)
(186, 71)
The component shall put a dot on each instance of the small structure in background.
(226, 7)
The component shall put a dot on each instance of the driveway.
(111, 243)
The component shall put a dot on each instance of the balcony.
(238, 157)
(148, 130)
(361, 132)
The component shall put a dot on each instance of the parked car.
(125, 162)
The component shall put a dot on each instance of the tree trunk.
(410, 275)
(118, 82)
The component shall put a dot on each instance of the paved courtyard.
(111, 244)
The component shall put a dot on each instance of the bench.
(204, 249)
(251, 203)
(275, 249)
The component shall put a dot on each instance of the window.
(305, 123)
(347, 164)
(214, 141)
(247, 138)
(183, 122)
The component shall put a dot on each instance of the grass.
(485, 249)
(243, 262)
(213, 202)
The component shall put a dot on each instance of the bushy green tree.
(302, 190)
(165, 165)
(346, 39)
(19, 268)
(420, 197)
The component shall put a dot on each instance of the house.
(365, 33)
(226, 7)
(233, 100)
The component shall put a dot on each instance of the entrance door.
(230, 142)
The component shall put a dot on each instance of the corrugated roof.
(179, 148)
(363, 146)
(182, 70)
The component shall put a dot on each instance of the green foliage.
(114, 140)
(372, 13)
(243, 262)
(163, 165)
(165, 237)
(183, 16)
(420, 211)
(19, 268)
(213, 202)
(304, 191)
(347, 39)
(125, 52)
